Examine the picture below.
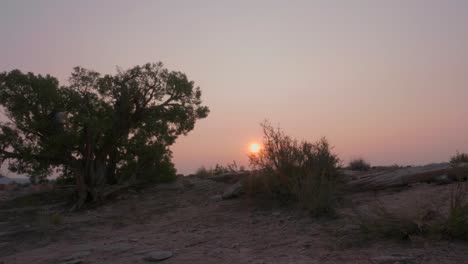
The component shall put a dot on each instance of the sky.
(382, 80)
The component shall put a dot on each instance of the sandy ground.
(184, 218)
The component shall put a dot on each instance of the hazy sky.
(383, 80)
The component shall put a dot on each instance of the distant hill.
(4, 180)
(7, 180)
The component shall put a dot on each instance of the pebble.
(156, 256)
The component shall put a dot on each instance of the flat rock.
(233, 191)
(156, 256)
(73, 261)
(143, 251)
(398, 177)
(442, 179)
(216, 198)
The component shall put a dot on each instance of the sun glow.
(254, 148)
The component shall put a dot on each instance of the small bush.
(294, 171)
(202, 172)
(359, 165)
(157, 170)
(459, 158)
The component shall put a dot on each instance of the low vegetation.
(359, 165)
(379, 222)
(218, 169)
(456, 224)
(459, 158)
(292, 171)
(459, 170)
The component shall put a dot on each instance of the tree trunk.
(81, 186)
(90, 181)
(111, 167)
(98, 179)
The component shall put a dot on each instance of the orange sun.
(254, 148)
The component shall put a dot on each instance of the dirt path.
(185, 219)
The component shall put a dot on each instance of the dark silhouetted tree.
(101, 130)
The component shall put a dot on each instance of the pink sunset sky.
(382, 80)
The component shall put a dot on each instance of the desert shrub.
(458, 173)
(159, 172)
(456, 224)
(459, 158)
(459, 170)
(379, 222)
(293, 171)
(220, 169)
(203, 172)
(359, 165)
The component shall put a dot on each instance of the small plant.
(359, 165)
(459, 158)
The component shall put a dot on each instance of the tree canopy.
(99, 129)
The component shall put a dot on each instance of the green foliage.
(359, 165)
(459, 158)
(102, 130)
(294, 171)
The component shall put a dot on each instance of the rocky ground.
(188, 222)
